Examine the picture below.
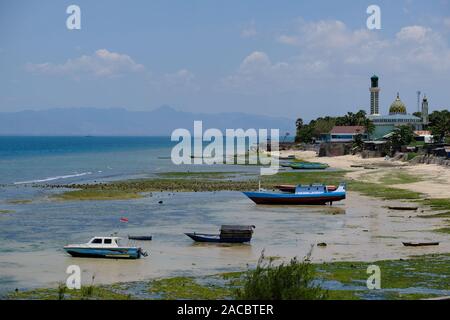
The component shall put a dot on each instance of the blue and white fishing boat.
(303, 195)
(104, 247)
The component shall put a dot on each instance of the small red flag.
(123, 219)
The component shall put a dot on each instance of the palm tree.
(401, 136)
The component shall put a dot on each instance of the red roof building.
(348, 130)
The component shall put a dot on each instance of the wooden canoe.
(140, 238)
(420, 244)
(402, 208)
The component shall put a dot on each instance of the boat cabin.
(105, 241)
(311, 189)
(236, 231)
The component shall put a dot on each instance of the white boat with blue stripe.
(104, 247)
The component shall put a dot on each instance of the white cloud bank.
(328, 49)
(102, 63)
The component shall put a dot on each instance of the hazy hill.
(161, 121)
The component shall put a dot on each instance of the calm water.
(75, 159)
(85, 159)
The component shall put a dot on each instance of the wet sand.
(436, 179)
(359, 228)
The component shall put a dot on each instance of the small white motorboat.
(104, 247)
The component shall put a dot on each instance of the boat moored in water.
(228, 234)
(140, 238)
(104, 247)
(303, 195)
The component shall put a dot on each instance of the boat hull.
(109, 253)
(216, 238)
(303, 167)
(286, 198)
(420, 244)
(140, 238)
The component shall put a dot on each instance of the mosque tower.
(425, 120)
(374, 96)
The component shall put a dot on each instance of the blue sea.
(62, 160)
(80, 159)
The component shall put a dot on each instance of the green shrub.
(291, 281)
(61, 291)
(411, 155)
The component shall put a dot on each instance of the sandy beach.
(435, 179)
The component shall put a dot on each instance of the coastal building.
(397, 116)
(344, 134)
(423, 136)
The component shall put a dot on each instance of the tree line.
(308, 133)
(439, 125)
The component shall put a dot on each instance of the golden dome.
(397, 107)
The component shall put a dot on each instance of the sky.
(279, 58)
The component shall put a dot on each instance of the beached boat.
(140, 238)
(104, 247)
(303, 195)
(285, 165)
(403, 208)
(420, 244)
(228, 234)
(290, 157)
(291, 187)
(308, 165)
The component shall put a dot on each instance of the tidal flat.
(356, 231)
(220, 181)
(426, 276)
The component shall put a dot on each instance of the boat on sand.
(104, 247)
(291, 187)
(303, 195)
(308, 165)
(228, 234)
(420, 244)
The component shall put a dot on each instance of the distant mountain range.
(116, 121)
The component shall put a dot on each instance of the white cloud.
(249, 31)
(291, 40)
(182, 80)
(414, 33)
(328, 49)
(102, 63)
(182, 76)
(446, 22)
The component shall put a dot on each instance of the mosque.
(398, 116)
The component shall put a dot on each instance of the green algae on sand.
(6, 211)
(419, 277)
(188, 288)
(19, 201)
(94, 194)
(63, 293)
